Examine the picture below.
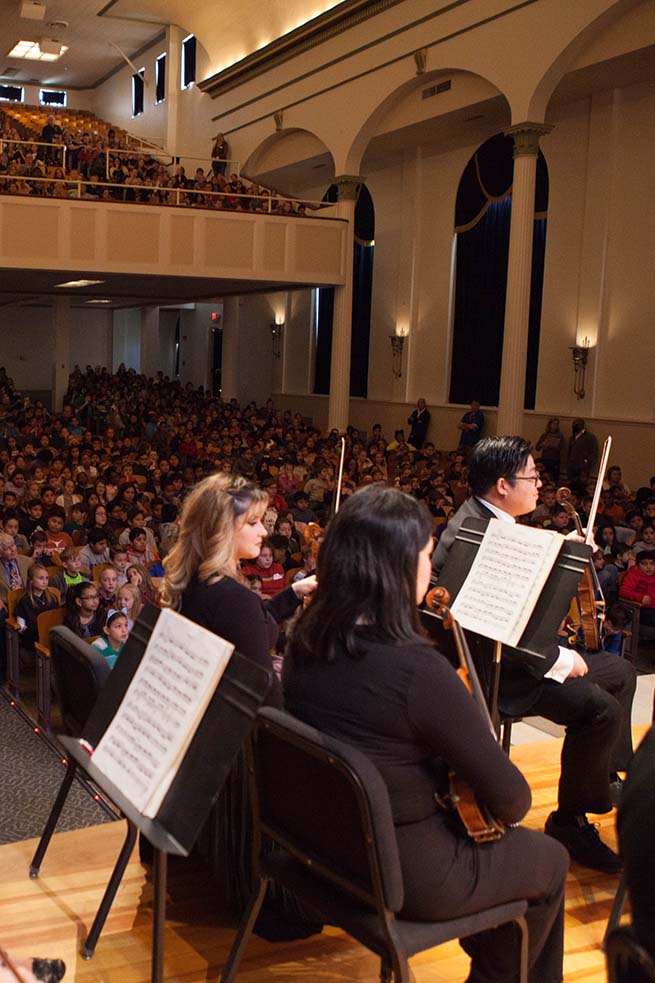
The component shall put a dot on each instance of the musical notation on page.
(506, 578)
(142, 748)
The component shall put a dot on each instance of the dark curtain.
(536, 294)
(361, 308)
(482, 223)
(480, 285)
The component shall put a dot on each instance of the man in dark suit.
(590, 694)
(583, 453)
(13, 574)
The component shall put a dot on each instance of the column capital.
(526, 137)
(348, 186)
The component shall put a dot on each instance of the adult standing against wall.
(583, 452)
(419, 422)
(471, 426)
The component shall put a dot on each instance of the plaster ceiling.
(17, 287)
(92, 31)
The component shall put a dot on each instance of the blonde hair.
(137, 606)
(205, 544)
(48, 594)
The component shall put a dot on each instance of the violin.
(479, 824)
(589, 602)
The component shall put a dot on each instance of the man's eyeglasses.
(534, 478)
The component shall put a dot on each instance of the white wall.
(127, 339)
(113, 100)
(27, 343)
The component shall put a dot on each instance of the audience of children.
(110, 472)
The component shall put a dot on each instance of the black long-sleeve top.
(237, 614)
(405, 707)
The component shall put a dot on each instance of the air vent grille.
(437, 89)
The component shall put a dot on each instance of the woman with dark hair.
(360, 669)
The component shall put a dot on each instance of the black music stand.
(226, 724)
(551, 608)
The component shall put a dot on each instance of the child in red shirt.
(639, 587)
(271, 573)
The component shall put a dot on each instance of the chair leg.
(523, 967)
(244, 933)
(52, 819)
(385, 971)
(507, 735)
(13, 662)
(43, 683)
(617, 910)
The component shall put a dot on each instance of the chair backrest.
(13, 597)
(81, 672)
(325, 803)
(48, 620)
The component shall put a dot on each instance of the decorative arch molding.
(272, 152)
(396, 93)
(538, 103)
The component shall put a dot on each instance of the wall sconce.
(580, 354)
(397, 344)
(277, 329)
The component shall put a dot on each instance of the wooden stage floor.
(51, 915)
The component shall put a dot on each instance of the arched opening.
(482, 223)
(361, 309)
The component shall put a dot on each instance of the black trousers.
(595, 710)
(447, 875)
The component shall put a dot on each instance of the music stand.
(226, 724)
(551, 607)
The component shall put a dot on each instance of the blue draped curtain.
(361, 308)
(482, 223)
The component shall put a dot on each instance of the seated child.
(639, 587)
(36, 599)
(107, 584)
(39, 549)
(255, 584)
(11, 527)
(113, 638)
(139, 576)
(616, 620)
(97, 549)
(70, 574)
(120, 562)
(128, 600)
(58, 540)
(82, 614)
(272, 574)
(308, 567)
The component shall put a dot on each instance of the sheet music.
(143, 746)
(505, 580)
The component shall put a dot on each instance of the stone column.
(339, 400)
(61, 368)
(150, 360)
(519, 268)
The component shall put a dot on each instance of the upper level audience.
(72, 163)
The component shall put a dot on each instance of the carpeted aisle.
(30, 776)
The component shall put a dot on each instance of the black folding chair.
(323, 829)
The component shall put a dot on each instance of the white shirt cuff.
(561, 668)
